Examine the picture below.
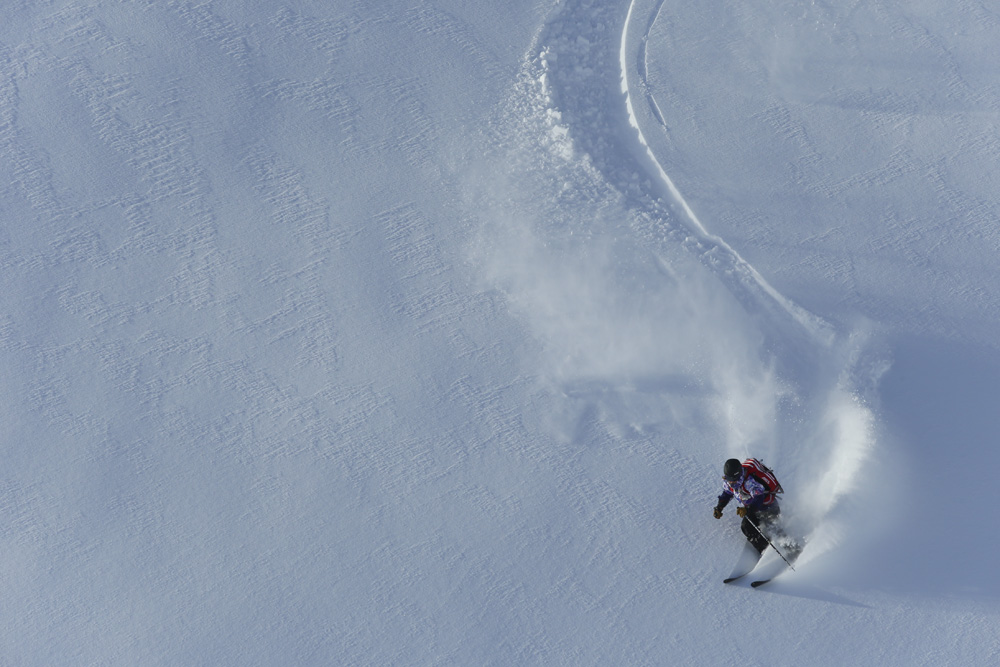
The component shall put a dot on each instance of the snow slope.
(417, 332)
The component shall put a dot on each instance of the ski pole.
(761, 533)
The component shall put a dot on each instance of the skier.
(756, 489)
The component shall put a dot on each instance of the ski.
(769, 577)
(748, 560)
(783, 567)
(729, 580)
(761, 582)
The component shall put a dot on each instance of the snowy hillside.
(417, 332)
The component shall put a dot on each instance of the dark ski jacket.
(750, 492)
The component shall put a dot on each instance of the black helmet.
(732, 471)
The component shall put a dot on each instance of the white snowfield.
(392, 333)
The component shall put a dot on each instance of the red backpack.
(764, 474)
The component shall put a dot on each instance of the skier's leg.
(752, 533)
(769, 521)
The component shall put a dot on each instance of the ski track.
(633, 50)
(593, 72)
(601, 59)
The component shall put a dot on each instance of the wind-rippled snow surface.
(417, 333)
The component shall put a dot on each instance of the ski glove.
(718, 512)
(741, 511)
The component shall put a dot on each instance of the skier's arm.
(758, 492)
(724, 499)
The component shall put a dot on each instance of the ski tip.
(729, 580)
(757, 584)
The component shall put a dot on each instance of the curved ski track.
(594, 43)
